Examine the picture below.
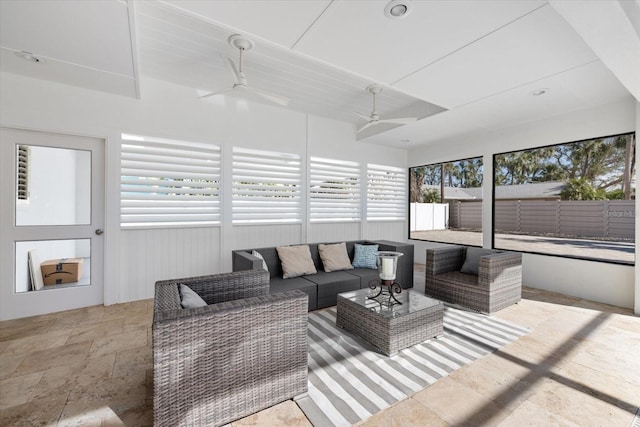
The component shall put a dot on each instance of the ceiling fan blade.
(400, 120)
(237, 77)
(364, 116)
(218, 92)
(277, 99)
(371, 123)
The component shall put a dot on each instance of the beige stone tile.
(83, 316)
(141, 416)
(16, 391)
(579, 407)
(531, 415)
(624, 364)
(496, 384)
(605, 387)
(142, 321)
(407, 413)
(283, 414)
(119, 342)
(458, 404)
(42, 412)
(8, 365)
(89, 414)
(130, 309)
(129, 362)
(24, 329)
(120, 394)
(95, 330)
(35, 343)
(64, 355)
(76, 378)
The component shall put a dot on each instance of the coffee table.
(390, 328)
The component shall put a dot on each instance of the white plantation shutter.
(386, 193)
(166, 182)
(334, 190)
(266, 186)
(22, 182)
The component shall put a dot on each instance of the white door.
(51, 222)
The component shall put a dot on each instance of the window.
(334, 190)
(456, 218)
(22, 174)
(266, 187)
(166, 182)
(575, 199)
(386, 193)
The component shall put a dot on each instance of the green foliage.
(604, 164)
(581, 189)
(431, 195)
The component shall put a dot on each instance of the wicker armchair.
(498, 284)
(245, 351)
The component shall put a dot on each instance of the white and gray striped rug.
(349, 381)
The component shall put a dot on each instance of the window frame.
(493, 203)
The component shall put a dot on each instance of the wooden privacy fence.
(583, 218)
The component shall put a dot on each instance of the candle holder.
(387, 263)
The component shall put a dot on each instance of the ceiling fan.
(239, 80)
(374, 118)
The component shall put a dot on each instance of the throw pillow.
(296, 261)
(334, 257)
(472, 261)
(259, 255)
(189, 298)
(365, 256)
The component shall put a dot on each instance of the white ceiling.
(479, 60)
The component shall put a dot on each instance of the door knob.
(99, 232)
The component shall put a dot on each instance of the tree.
(416, 181)
(581, 189)
(431, 195)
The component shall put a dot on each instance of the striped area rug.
(349, 381)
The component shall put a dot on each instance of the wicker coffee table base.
(390, 334)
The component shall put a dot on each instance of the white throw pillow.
(259, 255)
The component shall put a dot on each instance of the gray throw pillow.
(189, 298)
(472, 262)
(259, 255)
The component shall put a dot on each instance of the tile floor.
(579, 366)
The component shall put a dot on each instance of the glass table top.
(412, 301)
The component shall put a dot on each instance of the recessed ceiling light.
(28, 56)
(397, 9)
(406, 140)
(539, 92)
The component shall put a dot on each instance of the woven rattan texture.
(222, 362)
(389, 335)
(498, 284)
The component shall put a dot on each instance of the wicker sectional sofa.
(497, 285)
(323, 288)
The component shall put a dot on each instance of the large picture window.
(454, 218)
(575, 199)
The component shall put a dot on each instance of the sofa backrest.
(270, 256)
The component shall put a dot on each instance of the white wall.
(637, 271)
(597, 281)
(135, 259)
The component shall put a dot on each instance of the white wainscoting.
(149, 255)
(385, 230)
(333, 232)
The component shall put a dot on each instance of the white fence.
(584, 218)
(429, 216)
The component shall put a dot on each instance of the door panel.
(52, 203)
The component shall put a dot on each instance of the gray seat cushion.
(366, 275)
(282, 285)
(331, 284)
